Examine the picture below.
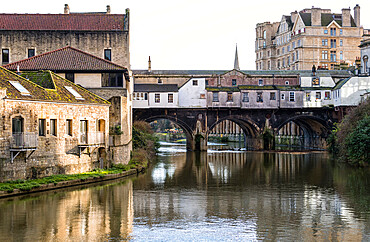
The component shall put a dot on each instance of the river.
(215, 196)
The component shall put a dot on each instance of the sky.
(191, 34)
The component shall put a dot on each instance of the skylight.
(20, 88)
(74, 93)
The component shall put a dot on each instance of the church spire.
(236, 61)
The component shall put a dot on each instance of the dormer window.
(159, 81)
(233, 82)
(315, 81)
(195, 82)
(260, 82)
(20, 88)
(74, 93)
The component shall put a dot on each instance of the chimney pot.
(66, 9)
(149, 65)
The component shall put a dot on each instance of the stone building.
(310, 37)
(365, 52)
(49, 126)
(102, 77)
(101, 34)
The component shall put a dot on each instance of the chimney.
(149, 65)
(66, 9)
(294, 16)
(108, 9)
(357, 15)
(315, 16)
(346, 17)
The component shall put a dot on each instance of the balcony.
(91, 139)
(22, 142)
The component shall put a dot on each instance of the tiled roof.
(155, 88)
(77, 22)
(45, 86)
(208, 73)
(65, 59)
(326, 19)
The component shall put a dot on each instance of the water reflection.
(204, 196)
(92, 214)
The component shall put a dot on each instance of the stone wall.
(18, 42)
(55, 154)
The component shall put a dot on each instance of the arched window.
(264, 34)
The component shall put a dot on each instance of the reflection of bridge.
(198, 123)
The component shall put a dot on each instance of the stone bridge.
(260, 126)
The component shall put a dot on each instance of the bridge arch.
(250, 129)
(315, 130)
(185, 127)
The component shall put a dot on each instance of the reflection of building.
(50, 126)
(102, 77)
(310, 37)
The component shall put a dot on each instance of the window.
(272, 96)
(268, 53)
(282, 96)
(291, 97)
(31, 52)
(333, 56)
(53, 127)
(17, 126)
(157, 98)
(269, 65)
(341, 42)
(42, 127)
(299, 43)
(112, 80)
(202, 96)
(264, 34)
(195, 82)
(259, 97)
(229, 96)
(318, 95)
(70, 77)
(20, 88)
(341, 55)
(206, 82)
(5, 56)
(341, 31)
(308, 96)
(69, 127)
(324, 42)
(245, 97)
(288, 60)
(324, 54)
(159, 81)
(296, 55)
(278, 64)
(293, 57)
(260, 82)
(145, 96)
(333, 31)
(233, 82)
(283, 50)
(83, 131)
(333, 43)
(278, 52)
(288, 48)
(74, 93)
(170, 98)
(108, 54)
(315, 81)
(293, 45)
(327, 95)
(286, 82)
(325, 31)
(215, 97)
(283, 62)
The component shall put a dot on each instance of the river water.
(215, 196)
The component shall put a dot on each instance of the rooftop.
(44, 86)
(156, 88)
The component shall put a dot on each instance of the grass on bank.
(27, 185)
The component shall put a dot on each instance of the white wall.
(163, 100)
(190, 95)
(317, 102)
(88, 80)
(139, 100)
(350, 93)
(324, 82)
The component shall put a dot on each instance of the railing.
(92, 138)
(23, 140)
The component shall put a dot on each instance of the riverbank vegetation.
(145, 146)
(350, 140)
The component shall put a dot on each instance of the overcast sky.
(191, 34)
